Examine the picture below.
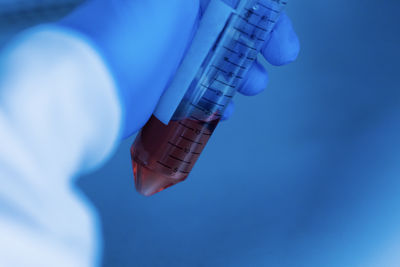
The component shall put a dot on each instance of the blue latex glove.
(143, 42)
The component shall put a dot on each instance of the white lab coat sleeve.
(60, 116)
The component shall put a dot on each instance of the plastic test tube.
(164, 155)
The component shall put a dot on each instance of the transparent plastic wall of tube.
(227, 64)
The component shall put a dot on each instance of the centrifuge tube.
(164, 155)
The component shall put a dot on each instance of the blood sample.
(164, 155)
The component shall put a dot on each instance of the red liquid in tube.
(163, 155)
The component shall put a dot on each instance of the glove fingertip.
(256, 81)
(228, 111)
(284, 45)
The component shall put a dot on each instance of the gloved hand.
(143, 43)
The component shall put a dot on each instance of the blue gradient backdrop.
(307, 174)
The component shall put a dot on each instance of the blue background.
(306, 174)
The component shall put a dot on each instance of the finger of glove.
(228, 111)
(205, 3)
(256, 80)
(283, 46)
